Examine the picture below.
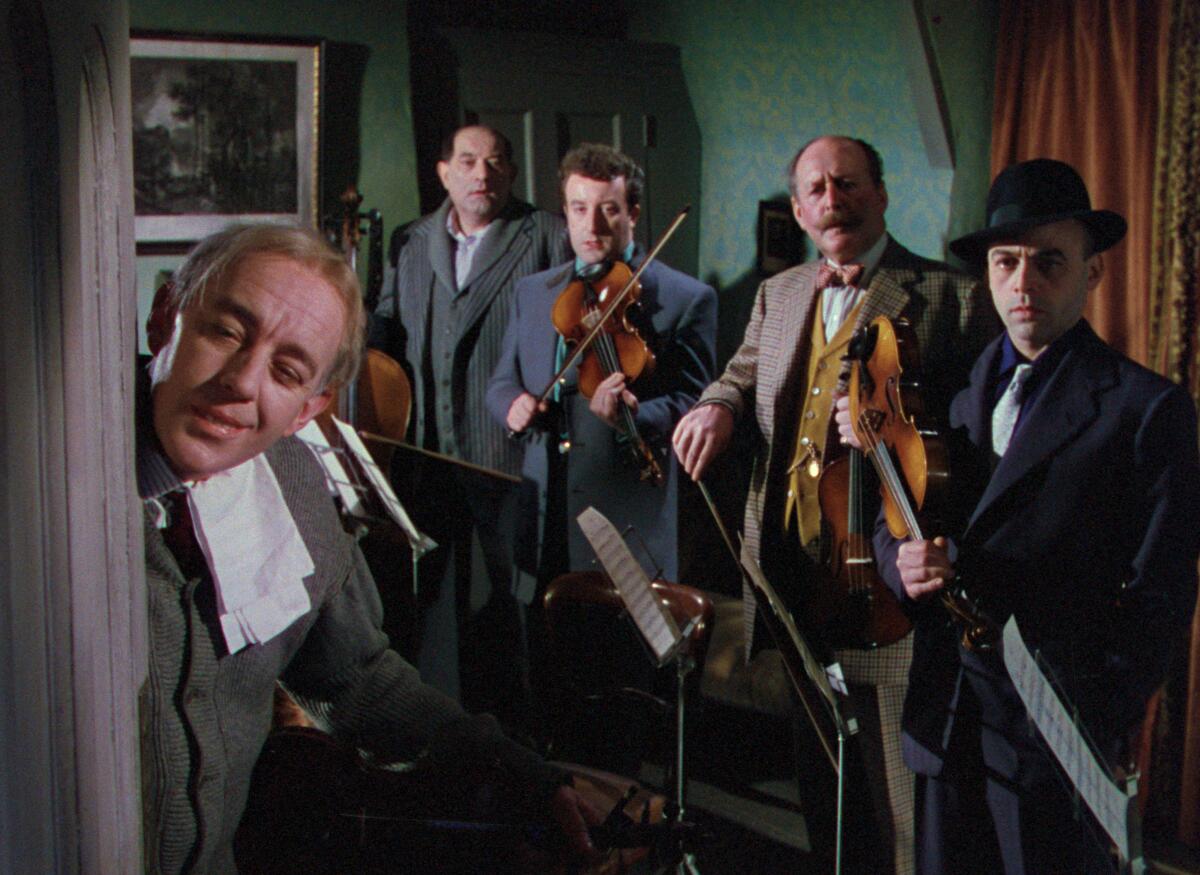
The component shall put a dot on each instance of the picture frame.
(225, 129)
(780, 240)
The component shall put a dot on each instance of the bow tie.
(835, 277)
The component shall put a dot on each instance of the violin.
(888, 418)
(864, 612)
(617, 347)
(592, 324)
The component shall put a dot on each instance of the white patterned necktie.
(1008, 408)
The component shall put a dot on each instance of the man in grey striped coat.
(444, 317)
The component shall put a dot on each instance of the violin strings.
(610, 360)
(882, 460)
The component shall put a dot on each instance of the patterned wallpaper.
(766, 76)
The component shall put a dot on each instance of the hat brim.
(1107, 229)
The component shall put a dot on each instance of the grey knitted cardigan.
(205, 713)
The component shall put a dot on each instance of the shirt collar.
(626, 256)
(155, 477)
(869, 260)
(456, 232)
(1010, 356)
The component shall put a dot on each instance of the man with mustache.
(444, 316)
(250, 577)
(784, 379)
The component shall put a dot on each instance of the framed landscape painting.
(225, 129)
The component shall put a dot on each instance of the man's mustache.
(839, 219)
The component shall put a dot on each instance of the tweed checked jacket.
(953, 320)
(525, 240)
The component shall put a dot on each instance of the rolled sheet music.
(652, 619)
(1114, 806)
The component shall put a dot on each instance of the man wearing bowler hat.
(1078, 480)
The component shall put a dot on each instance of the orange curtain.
(1112, 87)
(1079, 81)
(1174, 301)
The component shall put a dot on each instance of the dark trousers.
(972, 820)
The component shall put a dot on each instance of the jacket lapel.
(441, 255)
(791, 358)
(544, 338)
(1067, 405)
(500, 248)
(887, 294)
(496, 243)
(973, 409)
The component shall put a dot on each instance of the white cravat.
(256, 554)
(1008, 408)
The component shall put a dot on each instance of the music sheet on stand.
(420, 542)
(312, 435)
(633, 584)
(1108, 802)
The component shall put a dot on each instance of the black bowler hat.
(1033, 193)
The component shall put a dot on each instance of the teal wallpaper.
(765, 77)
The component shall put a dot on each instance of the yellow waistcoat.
(824, 365)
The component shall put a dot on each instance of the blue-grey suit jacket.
(678, 319)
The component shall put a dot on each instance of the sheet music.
(818, 674)
(1111, 805)
(420, 542)
(633, 584)
(335, 475)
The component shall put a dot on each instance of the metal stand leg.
(841, 791)
(683, 666)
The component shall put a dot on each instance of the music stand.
(826, 714)
(1112, 801)
(350, 489)
(665, 642)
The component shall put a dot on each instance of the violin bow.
(581, 347)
